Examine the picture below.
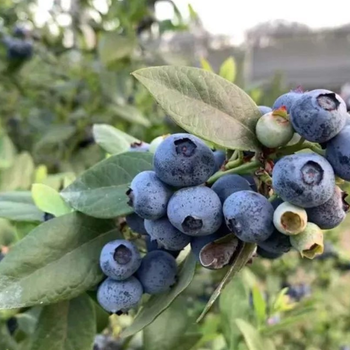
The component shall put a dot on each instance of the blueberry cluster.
(184, 201)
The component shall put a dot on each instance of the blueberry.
(264, 109)
(136, 224)
(18, 49)
(299, 291)
(319, 115)
(287, 100)
(303, 179)
(183, 160)
(12, 325)
(166, 235)
(220, 158)
(274, 129)
(156, 142)
(48, 216)
(252, 182)
(120, 259)
(196, 211)
(228, 184)
(148, 195)
(338, 153)
(277, 243)
(157, 272)
(249, 216)
(119, 296)
(153, 245)
(139, 147)
(330, 214)
(267, 255)
(289, 219)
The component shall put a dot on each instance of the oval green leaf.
(228, 69)
(159, 303)
(204, 104)
(69, 325)
(49, 200)
(19, 206)
(100, 191)
(111, 139)
(57, 261)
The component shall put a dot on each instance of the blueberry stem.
(302, 144)
(233, 164)
(241, 169)
(273, 197)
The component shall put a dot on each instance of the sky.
(234, 17)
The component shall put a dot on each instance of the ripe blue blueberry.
(120, 259)
(319, 115)
(136, 224)
(18, 49)
(220, 158)
(330, 214)
(264, 109)
(287, 100)
(252, 182)
(228, 184)
(267, 255)
(48, 216)
(277, 243)
(196, 211)
(139, 147)
(148, 195)
(304, 179)
(338, 153)
(153, 245)
(157, 272)
(183, 160)
(166, 235)
(249, 216)
(119, 296)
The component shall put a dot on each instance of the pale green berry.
(156, 142)
(274, 129)
(308, 243)
(289, 219)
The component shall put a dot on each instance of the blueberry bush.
(215, 227)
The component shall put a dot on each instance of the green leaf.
(58, 260)
(206, 65)
(19, 175)
(233, 304)
(240, 261)
(100, 191)
(259, 306)
(112, 140)
(130, 114)
(19, 206)
(55, 135)
(167, 332)
(158, 303)
(69, 325)
(49, 200)
(204, 104)
(252, 337)
(112, 47)
(7, 152)
(228, 70)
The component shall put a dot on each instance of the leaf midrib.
(194, 98)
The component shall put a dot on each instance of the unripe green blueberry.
(290, 219)
(156, 142)
(308, 243)
(274, 129)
